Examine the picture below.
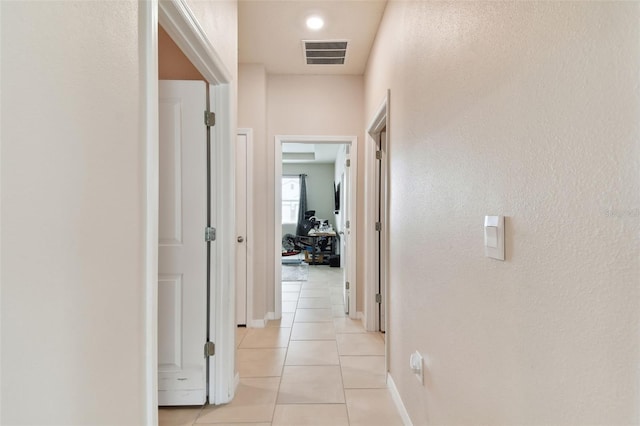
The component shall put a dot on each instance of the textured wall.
(219, 20)
(529, 110)
(72, 219)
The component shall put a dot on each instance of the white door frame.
(379, 121)
(353, 142)
(248, 238)
(180, 23)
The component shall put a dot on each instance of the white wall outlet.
(416, 364)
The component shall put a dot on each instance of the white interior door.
(182, 262)
(241, 229)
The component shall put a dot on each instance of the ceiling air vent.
(325, 52)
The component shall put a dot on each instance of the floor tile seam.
(313, 365)
(344, 393)
(311, 340)
(362, 356)
(200, 411)
(273, 413)
(314, 308)
(310, 365)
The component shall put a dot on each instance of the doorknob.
(240, 239)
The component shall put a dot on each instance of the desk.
(314, 239)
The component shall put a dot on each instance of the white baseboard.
(236, 383)
(395, 395)
(257, 323)
(262, 323)
(359, 315)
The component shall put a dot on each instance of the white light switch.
(491, 235)
(494, 237)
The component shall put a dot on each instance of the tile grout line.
(286, 352)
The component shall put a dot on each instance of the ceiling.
(271, 33)
(309, 152)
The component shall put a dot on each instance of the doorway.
(180, 23)
(377, 220)
(343, 223)
(244, 227)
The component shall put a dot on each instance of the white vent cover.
(324, 52)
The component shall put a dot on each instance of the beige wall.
(172, 63)
(289, 105)
(252, 113)
(73, 192)
(311, 105)
(219, 20)
(529, 110)
(72, 214)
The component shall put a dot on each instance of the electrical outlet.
(416, 364)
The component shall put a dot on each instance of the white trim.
(223, 287)
(257, 323)
(277, 242)
(248, 133)
(359, 315)
(397, 400)
(148, 41)
(261, 323)
(378, 122)
(178, 21)
(353, 205)
(236, 381)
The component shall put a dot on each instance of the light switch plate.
(494, 237)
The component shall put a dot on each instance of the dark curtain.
(303, 205)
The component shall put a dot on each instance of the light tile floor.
(315, 366)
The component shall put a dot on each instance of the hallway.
(313, 367)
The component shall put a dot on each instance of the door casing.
(353, 142)
(379, 122)
(178, 20)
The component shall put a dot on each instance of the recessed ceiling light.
(315, 22)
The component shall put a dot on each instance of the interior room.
(317, 165)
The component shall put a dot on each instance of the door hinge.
(209, 118)
(346, 285)
(209, 234)
(378, 298)
(378, 226)
(347, 224)
(348, 163)
(209, 349)
(378, 155)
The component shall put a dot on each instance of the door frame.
(178, 20)
(248, 238)
(353, 204)
(379, 121)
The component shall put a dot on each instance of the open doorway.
(321, 232)
(377, 223)
(181, 26)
